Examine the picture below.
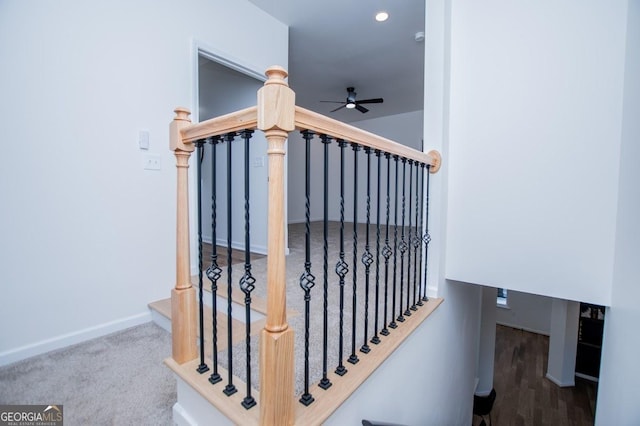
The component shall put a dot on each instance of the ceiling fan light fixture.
(382, 16)
(351, 105)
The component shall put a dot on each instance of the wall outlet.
(258, 161)
(152, 162)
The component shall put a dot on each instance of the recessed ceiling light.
(382, 16)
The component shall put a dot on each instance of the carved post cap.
(276, 75)
(276, 102)
(180, 121)
(182, 114)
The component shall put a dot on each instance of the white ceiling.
(334, 44)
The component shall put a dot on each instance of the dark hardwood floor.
(524, 395)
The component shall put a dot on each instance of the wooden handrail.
(309, 120)
(233, 122)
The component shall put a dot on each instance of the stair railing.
(277, 115)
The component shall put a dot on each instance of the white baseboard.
(560, 382)
(587, 377)
(64, 340)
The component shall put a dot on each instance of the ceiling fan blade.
(361, 109)
(340, 107)
(334, 102)
(371, 101)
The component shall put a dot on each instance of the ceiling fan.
(351, 102)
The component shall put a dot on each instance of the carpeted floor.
(115, 380)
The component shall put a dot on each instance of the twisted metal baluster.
(419, 234)
(353, 358)
(426, 237)
(325, 383)
(386, 250)
(375, 339)
(395, 247)
(247, 282)
(202, 367)
(407, 311)
(416, 243)
(307, 280)
(230, 389)
(341, 267)
(403, 245)
(367, 257)
(213, 271)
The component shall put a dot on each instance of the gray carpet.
(118, 379)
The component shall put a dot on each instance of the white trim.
(519, 327)
(560, 382)
(586, 377)
(228, 60)
(192, 408)
(64, 340)
(238, 245)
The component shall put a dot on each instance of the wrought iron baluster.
(402, 246)
(307, 280)
(367, 257)
(426, 238)
(342, 268)
(419, 234)
(386, 251)
(353, 358)
(416, 243)
(375, 339)
(407, 311)
(202, 367)
(230, 389)
(325, 383)
(247, 282)
(395, 247)
(214, 271)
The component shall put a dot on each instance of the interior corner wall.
(618, 388)
(88, 236)
(535, 121)
(526, 311)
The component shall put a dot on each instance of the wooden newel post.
(276, 111)
(183, 295)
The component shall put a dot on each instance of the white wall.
(88, 236)
(536, 104)
(619, 387)
(527, 311)
(221, 91)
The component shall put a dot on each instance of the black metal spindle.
(341, 266)
(353, 358)
(402, 246)
(386, 250)
(307, 280)
(367, 257)
(214, 272)
(426, 238)
(230, 389)
(393, 324)
(202, 367)
(325, 383)
(419, 234)
(375, 339)
(416, 243)
(407, 311)
(247, 282)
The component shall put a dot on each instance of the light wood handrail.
(233, 122)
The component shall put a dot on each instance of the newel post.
(276, 110)
(183, 295)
